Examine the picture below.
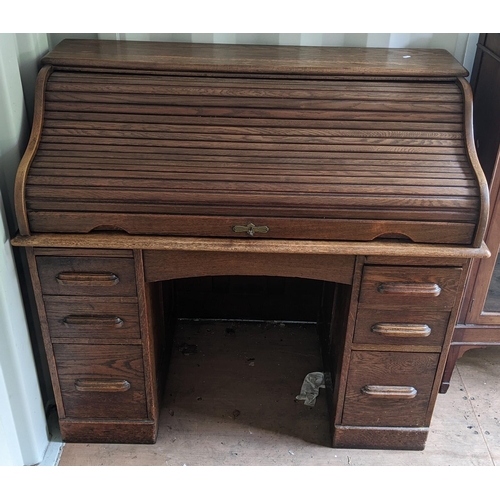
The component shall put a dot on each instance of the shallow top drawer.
(86, 276)
(101, 381)
(408, 286)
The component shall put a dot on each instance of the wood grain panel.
(367, 319)
(280, 228)
(115, 147)
(114, 173)
(173, 265)
(430, 287)
(458, 228)
(235, 86)
(398, 369)
(92, 317)
(197, 186)
(380, 438)
(138, 120)
(101, 363)
(286, 60)
(108, 431)
(86, 276)
(29, 154)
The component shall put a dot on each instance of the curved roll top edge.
(476, 165)
(29, 155)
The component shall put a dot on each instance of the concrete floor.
(232, 403)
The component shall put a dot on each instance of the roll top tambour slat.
(272, 103)
(245, 184)
(238, 80)
(84, 166)
(254, 196)
(347, 138)
(230, 155)
(244, 147)
(71, 126)
(87, 119)
(164, 146)
(269, 113)
(401, 214)
(44, 173)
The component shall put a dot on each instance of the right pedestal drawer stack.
(401, 323)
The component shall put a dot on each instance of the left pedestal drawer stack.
(89, 312)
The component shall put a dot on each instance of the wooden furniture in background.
(153, 162)
(479, 319)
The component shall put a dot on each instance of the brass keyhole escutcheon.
(250, 229)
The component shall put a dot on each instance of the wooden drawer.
(92, 317)
(101, 381)
(401, 327)
(86, 276)
(389, 388)
(434, 287)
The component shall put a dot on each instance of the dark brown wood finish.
(34, 142)
(46, 332)
(396, 370)
(389, 438)
(344, 318)
(401, 327)
(401, 253)
(154, 56)
(402, 286)
(79, 276)
(108, 431)
(160, 266)
(208, 180)
(152, 162)
(101, 364)
(99, 317)
(151, 314)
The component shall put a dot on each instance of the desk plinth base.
(380, 438)
(111, 431)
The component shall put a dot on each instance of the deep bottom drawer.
(389, 388)
(101, 381)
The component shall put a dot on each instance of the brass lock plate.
(251, 229)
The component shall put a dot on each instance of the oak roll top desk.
(150, 162)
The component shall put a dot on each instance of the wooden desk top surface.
(325, 61)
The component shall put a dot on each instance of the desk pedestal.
(384, 328)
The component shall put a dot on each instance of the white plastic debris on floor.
(309, 391)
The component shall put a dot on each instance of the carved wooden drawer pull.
(389, 391)
(414, 289)
(87, 279)
(91, 385)
(103, 321)
(401, 329)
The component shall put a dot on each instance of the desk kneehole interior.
(154, 162)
